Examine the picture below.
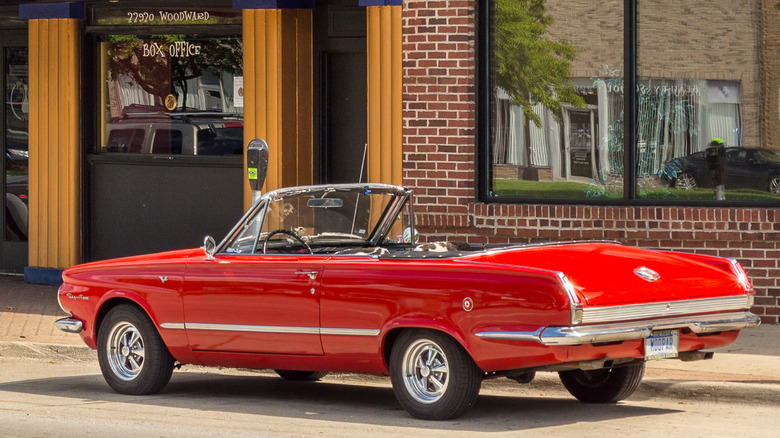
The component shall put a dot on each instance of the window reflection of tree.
(161, 74)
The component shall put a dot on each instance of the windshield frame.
(399, 194)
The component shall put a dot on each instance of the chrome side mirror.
(209, 246)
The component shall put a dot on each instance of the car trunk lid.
(606, 274)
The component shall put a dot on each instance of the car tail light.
(742, 276)
(574, 301)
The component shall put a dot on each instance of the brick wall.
(440, 163)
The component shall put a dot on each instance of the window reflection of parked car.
(745, 169)
(16, 157)
(144, 130)
(16, 208)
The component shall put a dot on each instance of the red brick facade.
(440, 157)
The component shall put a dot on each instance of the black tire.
(603, 386)
(433, 377)
(133, 358)
(301, 376)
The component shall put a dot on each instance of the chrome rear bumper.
(70, 325)
(623, 331)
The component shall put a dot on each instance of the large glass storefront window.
(702, 134)
(557, 103)
(16, 141)
(556, 108)
(171, 94)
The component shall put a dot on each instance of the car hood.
(610, 274)
(168, 257)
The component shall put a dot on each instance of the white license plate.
(662, 344)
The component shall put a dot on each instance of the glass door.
(14, 141)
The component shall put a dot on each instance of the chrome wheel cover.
(685, 181)
(774, 185)
(125, 351)
(425, 371)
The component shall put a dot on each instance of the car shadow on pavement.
(363, 403)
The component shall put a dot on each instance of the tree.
(529, 66)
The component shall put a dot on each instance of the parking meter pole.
(257, 165)
(716, 162)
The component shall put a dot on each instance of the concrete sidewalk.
(28, 312)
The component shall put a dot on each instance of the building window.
(170, 93)
(556, 107)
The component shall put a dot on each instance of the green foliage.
(531, 67)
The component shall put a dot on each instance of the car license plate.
(662, 344)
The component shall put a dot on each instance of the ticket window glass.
(171, 95)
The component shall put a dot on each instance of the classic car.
(746, 168)
(333, 278)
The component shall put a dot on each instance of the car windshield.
(322, 216)
(768, 156)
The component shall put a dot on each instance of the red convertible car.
(331, 278)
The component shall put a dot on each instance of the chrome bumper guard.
(594, 334)
(70, 325)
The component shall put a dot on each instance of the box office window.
(556, 116)
(171, 94)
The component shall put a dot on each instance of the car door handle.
(312, 274)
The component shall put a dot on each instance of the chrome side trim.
(579, 335)
(270, 329)
(593, 315)
(349, 332)
(251, 328)
(70, 325)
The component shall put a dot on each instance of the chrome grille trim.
(594, 315)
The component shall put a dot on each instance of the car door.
(254, 303)
(741, 173)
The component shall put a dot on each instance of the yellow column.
(385, 142)
(55, 143)
(278, 93)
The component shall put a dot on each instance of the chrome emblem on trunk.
(646, 274)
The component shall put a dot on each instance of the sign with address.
(118, 16)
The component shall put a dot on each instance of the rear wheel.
(131, 353)
(433, 376)
(603, 386)
(774, 185)
(685, 181)
(301, 376)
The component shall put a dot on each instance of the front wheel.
(433, 376)
(603, 386)
(132, 356)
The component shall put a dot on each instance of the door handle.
(311, 274)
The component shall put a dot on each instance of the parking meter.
(257, 163)
(716, 163)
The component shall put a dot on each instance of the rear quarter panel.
(366, 293)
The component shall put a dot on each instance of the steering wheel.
(292, 234)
